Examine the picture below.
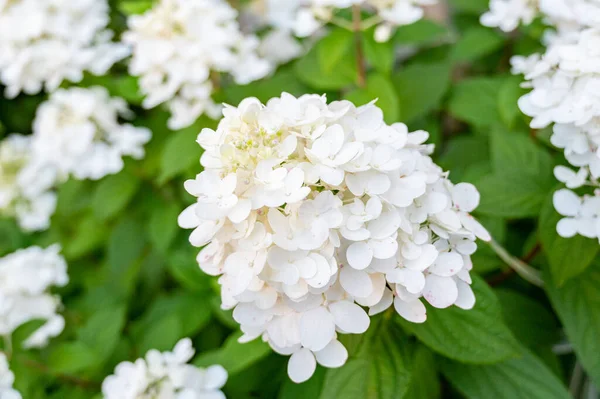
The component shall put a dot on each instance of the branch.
(361, 70)
(521, 268)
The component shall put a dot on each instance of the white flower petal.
(356, 282)
(349, 317)
(359, 255)
(440, 292)
(301, 366)
(333, 355)
(317, 328)
(413, 311)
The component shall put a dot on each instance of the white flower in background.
(165, 375)
(25, 280)
(509, 14)
(311, 211)
(25, 186)
(582, 215)
(7, 379)
(304, 18)
(44, 42)
(78, 133)
(179, 45)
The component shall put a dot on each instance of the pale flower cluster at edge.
(26, 277)
(7, 379)
(165, 375)
(564, 83)
(311, 212)
(45, 42)
(76, 133)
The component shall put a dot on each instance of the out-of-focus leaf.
(124, 251)
(180, 153)
(113, 194)
(102, 331)
(477, 42)
(577, 303)
(162, 335)
(421, 88)
(379, 55)
(525, 377)
(235, 356)
(162, 225)
(567, 257)
(471, 336)
(71, 357)
(308, 70)
(333, 47)
(184, 268)
(421, 32)
(380, 88)
(508, 98)
(476, 7)
(132, 7)
(283, 81)
(475, 101)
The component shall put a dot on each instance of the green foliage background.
(135, 284)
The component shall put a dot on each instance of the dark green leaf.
(162, 225)
(577, 303)
(180, 153)
(472, 336)
(477, 42)
(424, 383)
(102, 331)
(567, 257)
(523, 378)
(113, 194)
(235, 356)
(378, 87)
(162, 336)
(475, 101)
(421, 88)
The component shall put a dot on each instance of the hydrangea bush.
(385, 199)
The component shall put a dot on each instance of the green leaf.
(523, 378)
(162, 225)
(180, 153)
(308, 70)
(192, 311)
(424, 383)
(113, 194)
(475, 101)
(333, 48)
(521, 178)
(421, 88)
(567, 257)
(102, 331)
(508, 98)
(71, 357)
(379, 55)
(577, 303)
(476, 7)
(90, 233)
(377, 371)
(184, 268)
(532, 324)
(309, 389)
(380, 88)
(123, 253)
(421, 32)
(235, 356)
(132, 7)
(162, 336)
(477, 42)
(472, 336)
(284, 80)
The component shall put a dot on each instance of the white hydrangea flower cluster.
(165, 375)
(43, 42)
(179, 45)
(309, 210)
(25, 279)
(7, 379)
(77, 132)
(565, 83)
(25, 188)
(565, 15)
(305, 17)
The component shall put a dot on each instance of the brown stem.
(506, 274)
(361, 70)
(64, 377)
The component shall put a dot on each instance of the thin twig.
(576, 379)
(64, 377)
(523, 269)
(361, 70)
(507, 273)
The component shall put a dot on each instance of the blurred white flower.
(310, 211)
(7, 379)
(165, 375)
(304, 18)
(25, 280)
(77, 132)
(582, 215)
(509, 14)
(178, 45)
(44, 42)
(25, 186)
